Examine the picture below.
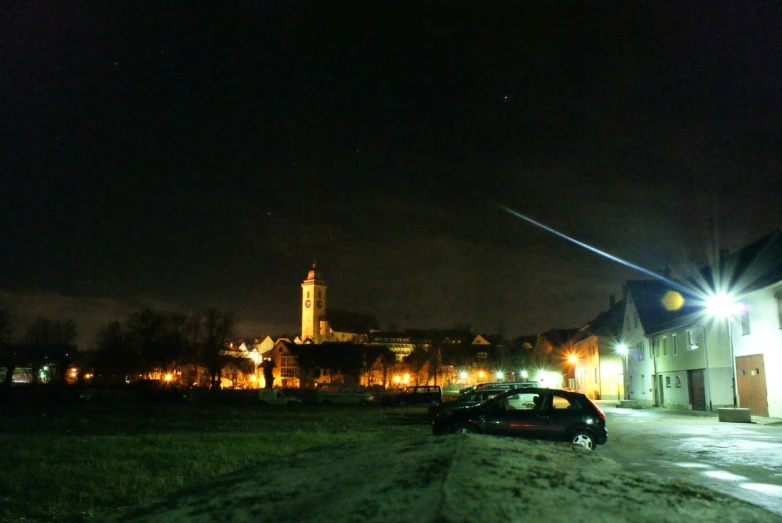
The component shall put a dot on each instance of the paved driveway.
(739, 459)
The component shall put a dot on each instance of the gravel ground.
(446, 479)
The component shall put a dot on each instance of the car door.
(512, 415)
(559, 412)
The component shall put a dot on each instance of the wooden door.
(697, 389)
(751, 382)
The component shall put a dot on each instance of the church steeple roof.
(314, 273)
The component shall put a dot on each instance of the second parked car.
(531, 413)
(417, 395)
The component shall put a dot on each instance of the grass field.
(80, 461)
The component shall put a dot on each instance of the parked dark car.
(161, 391)
(530, 413)
(468, 399)
(417, 395)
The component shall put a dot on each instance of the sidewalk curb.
(756, 420)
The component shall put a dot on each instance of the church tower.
(313, 305)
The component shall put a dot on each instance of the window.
(778, 296)
(631, 385)
(483, 355)
(288, 361)
(678, 381)
(744, 319)
(667, 382)
(675, 346)
(319, 296)
(665, 346)
(635, 320)
(640, 350)
(288, 372)
(558, 402)
(308, 294)
(692, 342)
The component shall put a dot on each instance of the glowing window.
(745, 330)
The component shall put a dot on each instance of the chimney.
(611, 301)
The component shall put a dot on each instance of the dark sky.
(203, 154)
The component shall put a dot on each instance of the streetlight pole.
(725, 306)
(732, 364)
(622, 349)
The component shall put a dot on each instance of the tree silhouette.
(217, 328)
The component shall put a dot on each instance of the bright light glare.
(524, 374)
(692, 465)
(463, 375)
(169, 377)
(572, 358)
(721, 305)
(500, 374)
(721, 474)
(622, 349)
(549, 379)
(770, 490)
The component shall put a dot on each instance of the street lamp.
(624, 351)
(724, 306)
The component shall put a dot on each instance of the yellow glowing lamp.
(572, 358)
(169, 377)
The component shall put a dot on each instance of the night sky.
(203, 154)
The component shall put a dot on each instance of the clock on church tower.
(313, 305)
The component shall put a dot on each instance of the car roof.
(543, 390)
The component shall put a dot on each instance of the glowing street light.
(499, 374)
(622, 350)
(463, 375)
(723, 306)
(573, 359)
(524, 374)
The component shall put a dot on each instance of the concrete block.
(629, 404)
(735, 415)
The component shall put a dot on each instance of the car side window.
(560, 403)
(522, 401)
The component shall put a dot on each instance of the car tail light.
(599, 412)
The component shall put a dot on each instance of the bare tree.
(114, 358)
(49, 341)
(217, 328)
(8, 352)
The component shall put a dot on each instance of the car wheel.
(584, 439)
(464, 429)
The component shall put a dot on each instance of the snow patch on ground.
(441, 479)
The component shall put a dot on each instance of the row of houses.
(709, 341)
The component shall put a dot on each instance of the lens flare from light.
(595, 250)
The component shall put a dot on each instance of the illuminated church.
(321, 324)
